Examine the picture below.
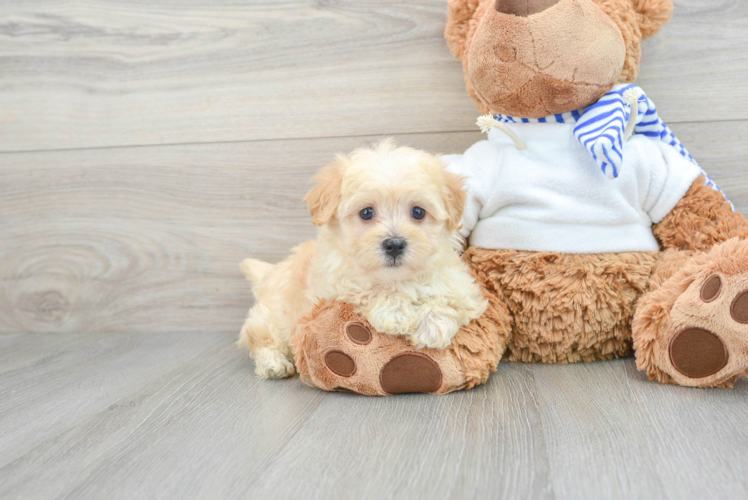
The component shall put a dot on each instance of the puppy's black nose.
(394, 247)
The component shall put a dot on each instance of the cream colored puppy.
(387, 244)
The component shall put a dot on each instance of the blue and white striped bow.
(602, 128)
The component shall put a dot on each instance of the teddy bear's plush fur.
(683, 311)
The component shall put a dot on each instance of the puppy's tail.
(255, 270)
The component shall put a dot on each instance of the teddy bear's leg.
(336, 349)
(691, 328)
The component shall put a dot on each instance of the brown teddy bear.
(591, 228)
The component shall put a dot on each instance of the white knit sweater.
(552, 196)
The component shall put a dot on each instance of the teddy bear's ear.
(652, 15)
(461, 12)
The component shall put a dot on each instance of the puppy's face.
(390, 210)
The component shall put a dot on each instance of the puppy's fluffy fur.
(425, 294)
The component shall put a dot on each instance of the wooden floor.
(146, 147)
(181, 416)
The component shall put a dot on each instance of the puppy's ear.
(454, 199)
(324, 198)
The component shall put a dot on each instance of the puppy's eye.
(418, 213)
(367, 213)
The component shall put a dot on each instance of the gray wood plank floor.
(146, 147)
(181, 416)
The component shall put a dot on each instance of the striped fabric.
(571, 117)
(601, 127)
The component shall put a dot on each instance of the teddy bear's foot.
(693, 328)
(336, 349)
(345, 353)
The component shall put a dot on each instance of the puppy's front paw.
(393, 319)
(271, 363)
(436, 329)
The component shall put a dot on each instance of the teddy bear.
(592, 231)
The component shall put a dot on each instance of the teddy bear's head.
(535, 58)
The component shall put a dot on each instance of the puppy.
(387, 244)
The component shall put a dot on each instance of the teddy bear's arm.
(701, 219)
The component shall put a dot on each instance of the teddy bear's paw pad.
(698, 353)
(358, 333)
(410, 372)
(739, 308)
(340, 363)
(711, 288)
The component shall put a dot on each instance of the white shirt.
(553, 197)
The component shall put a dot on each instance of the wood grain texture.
(205, 427)
(97, 370)
(636, 431)
(149, 238)
(111, 73)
